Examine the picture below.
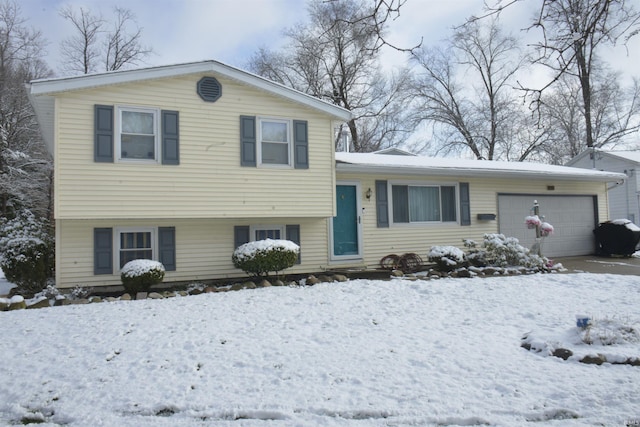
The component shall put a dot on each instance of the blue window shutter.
(293, 234)
(382, 204)
(170, 137)
(247, 141)
(167, 247)
(241, 235)
(300, 144)
(465, 204)
(102, 251)
(103, 128)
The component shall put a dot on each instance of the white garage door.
(573, 218)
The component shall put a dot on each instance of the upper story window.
(138, 136)
(274, 147)
(423, 203)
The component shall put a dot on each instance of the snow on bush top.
(451, 253)
(249, 250)
(138, 267)
(630, 225)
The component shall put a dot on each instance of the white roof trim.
(408, 165)
(63, 84)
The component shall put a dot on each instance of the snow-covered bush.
(27, 252)
(501, 251)
(447, 258)
(140, 274)
(262, 256)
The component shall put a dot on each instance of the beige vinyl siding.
(203, 248)
(419, 238)
(209, 182)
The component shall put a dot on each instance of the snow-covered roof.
(631, 156)
(420, 165)
(42, 92)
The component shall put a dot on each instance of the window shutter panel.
(247, 141)
(167, 247)
(102, 251)
(300, 145)
(170, 137)
(240, 235)
(382, 204)
(465, 204)
(293, 234)
(103, 128)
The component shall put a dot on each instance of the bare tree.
(572, 34)
(24, 165)
(465, 91)
(80, 52)
(335, 58)
(123, 47)
(94, 46)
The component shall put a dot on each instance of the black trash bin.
(619, 237)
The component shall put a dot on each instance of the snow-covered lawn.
(366, 353)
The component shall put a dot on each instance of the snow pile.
(366, 353)
(139, 267)
(249, 250)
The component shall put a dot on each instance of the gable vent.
(209, 89)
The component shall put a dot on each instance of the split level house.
(184, 163)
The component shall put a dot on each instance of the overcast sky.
(231, 30)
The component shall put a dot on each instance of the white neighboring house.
(624, 198)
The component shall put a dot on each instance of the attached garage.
(574, 218)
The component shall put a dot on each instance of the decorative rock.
(397, 273)
(155, 295)
(562, 353)
(81, 301)
(291, 283)
(463, 273)
(598, 359)
(168, 294)
(111, 299)
(489, 271)
(183, 293)
(340, 278)
(125, 297)
(325, 279)
(4, 304)
(141, 295)
(267, 284)
(210, 289)
(236, 287)
(195, 291)
(250, 285)
(17, 303)
(43, 303)
(312, 280)
(95, 299)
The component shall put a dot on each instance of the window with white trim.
(262, 232)
(134, 243)
(274, 142)
(415, 203)
(137, 133)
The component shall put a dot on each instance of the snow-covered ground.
(365, 353)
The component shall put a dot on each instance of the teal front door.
(346, 225)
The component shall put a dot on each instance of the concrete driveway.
(598, 264)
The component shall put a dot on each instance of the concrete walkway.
(601, 265)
